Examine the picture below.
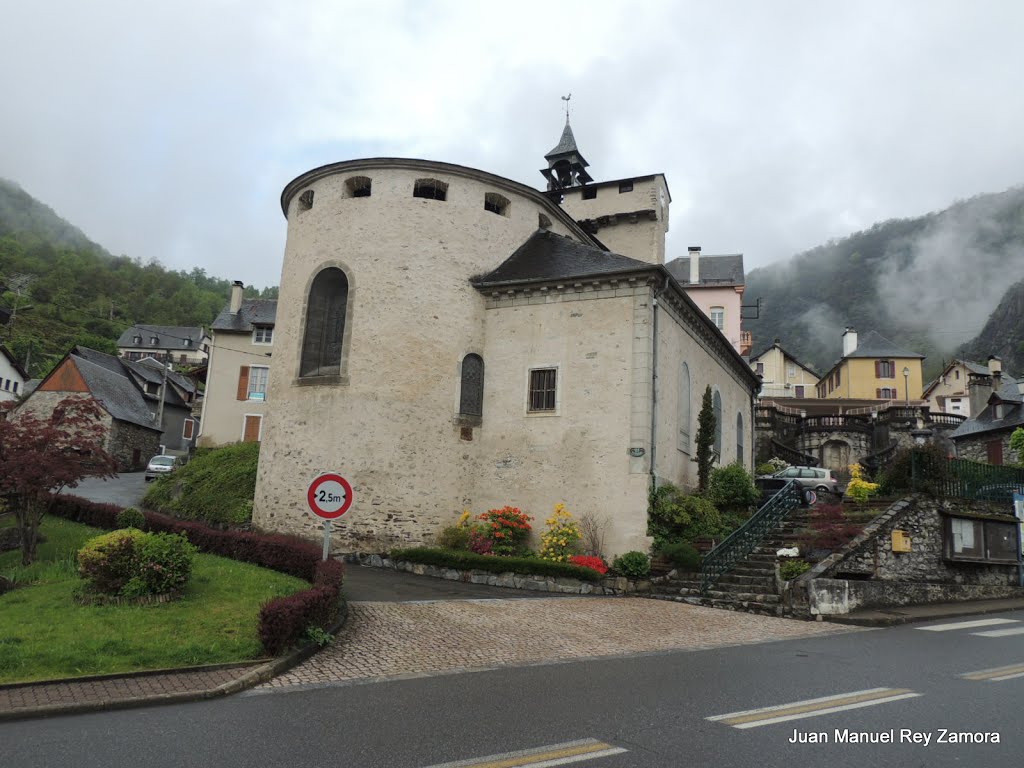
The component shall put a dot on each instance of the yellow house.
(782, 375)
(874, 369)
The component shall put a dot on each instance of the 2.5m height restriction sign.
(329, 496)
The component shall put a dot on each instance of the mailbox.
(900, 541)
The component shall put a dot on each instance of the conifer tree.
(705, 440)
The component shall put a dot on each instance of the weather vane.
(566, 100)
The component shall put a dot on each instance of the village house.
(238, 372)
(716, 285)
(986, 436)
(12, 376)
(782, 375)
(182, 345)
(952, 391)
(449, 339)
(873, 368)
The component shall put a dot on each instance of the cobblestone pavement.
(390, 639)
(110, 689)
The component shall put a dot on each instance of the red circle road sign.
(329, 496)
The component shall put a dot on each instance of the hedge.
(446, 558)
(282, 620)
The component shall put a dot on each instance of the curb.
(896, 620)
(253, 677)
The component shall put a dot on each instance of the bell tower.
(566, 165)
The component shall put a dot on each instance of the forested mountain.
(1003, 334)
(67, 290)
(929, 284)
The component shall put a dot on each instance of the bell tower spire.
(566, 164)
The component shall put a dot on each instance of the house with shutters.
(182, 345)
(716, 284)
(238, 371)
(873, 368)
(782, 375)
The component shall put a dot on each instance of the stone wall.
(830, 597)
(125, 439)
(976, 448)
(923, 518)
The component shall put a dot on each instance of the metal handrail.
(793, 455)
(738, 545)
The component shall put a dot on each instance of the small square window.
(263, 334)
(358, 186)
(306, 200)
(430, 189)
(543, 383)
(496, 203)
(626, 186)
(589, 193)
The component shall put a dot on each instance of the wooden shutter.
(243, 383)
(995, 452)
(251, 434)
(878, 369)
(187, 429)
(878, 392)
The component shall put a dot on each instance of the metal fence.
(962, 479)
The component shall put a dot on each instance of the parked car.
(770, 485)
(813, 478)
(161, 465)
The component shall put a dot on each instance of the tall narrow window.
(258, 376)
(683, 416)
(542, 389)
(471, 393)
(718, 317)
(325, 324)
(739, 437)
(717, 404)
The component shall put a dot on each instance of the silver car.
(814, 478)
(161, 465)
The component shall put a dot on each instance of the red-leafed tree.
(42, 454)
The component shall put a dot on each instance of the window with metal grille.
(430, 189)
(358, 186)
(471, 393)
(542, 389)
(325, 324)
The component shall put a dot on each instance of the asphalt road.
(125, 490)
(655, 708)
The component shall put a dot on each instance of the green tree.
(1017, 445)
(705, 440)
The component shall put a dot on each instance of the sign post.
(1018, 511)
(329, 496)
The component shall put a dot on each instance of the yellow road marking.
(994, 674)
(829, 703)
(539, 757)
(542, 757)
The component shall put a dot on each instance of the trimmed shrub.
(285, 621)
(444, 558)
(110, 561)
(508, 529)
(632, 565)
(130, 517)
(765, 469)
(163, 564)
(454, 537)
(731, 487)
(682, 554)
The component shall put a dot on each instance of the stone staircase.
(750, 585)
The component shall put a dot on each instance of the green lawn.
(44, 634)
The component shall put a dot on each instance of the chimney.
(694, 264)
(995, 371)
(236, 296)
(849, 341)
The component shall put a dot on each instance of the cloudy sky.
(167, 131)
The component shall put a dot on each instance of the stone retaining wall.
(610, 585)
(828, 597)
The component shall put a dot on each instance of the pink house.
(716, 284)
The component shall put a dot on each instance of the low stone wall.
(611, 585)
(830, 597)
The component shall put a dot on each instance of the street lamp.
(906, 384)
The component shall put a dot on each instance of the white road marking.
(1001, 632)
(967, 624)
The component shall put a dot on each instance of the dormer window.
(153, 340)
(430, 189)
(136, 339)
(188, 342)
(997, 411)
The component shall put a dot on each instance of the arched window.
(683, 414)
(325, 324)
(739, 437)
(717, 404)
(471, 393)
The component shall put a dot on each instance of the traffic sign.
(329, 496)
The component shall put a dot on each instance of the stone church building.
(449, 339)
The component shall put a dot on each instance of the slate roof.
(252, 312)
(566, 144)
(726, 269)
(115, 392)
(153, 375)
(874, 344)
(809, 369)
(1010, 394)
(168, 336)
(547, 256)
